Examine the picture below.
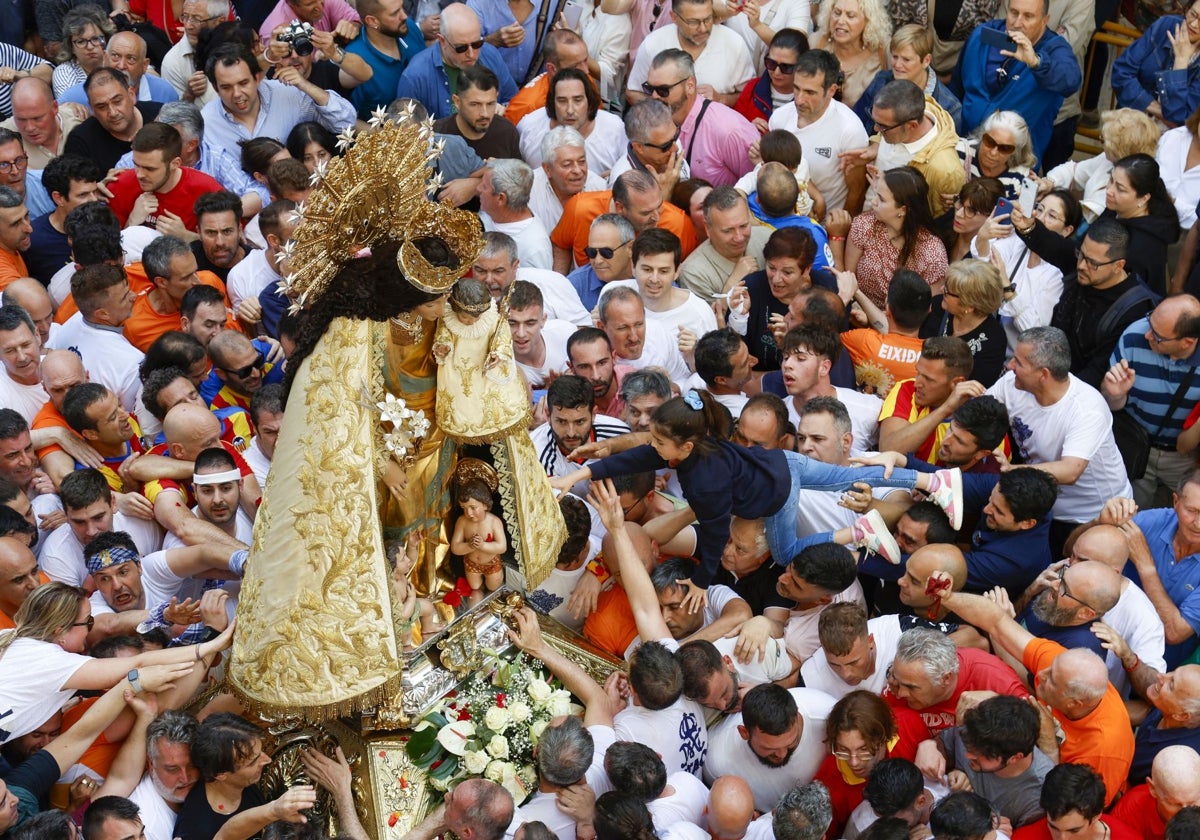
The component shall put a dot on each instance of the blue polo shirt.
(425, 79)
(1158, 377)
(380, 89)
(1180, 579)
(1151, 738)
(588, 284)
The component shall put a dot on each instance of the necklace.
(411, 324)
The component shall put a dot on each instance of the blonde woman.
(858, 33)
(975, 289)
(1124, 132)
(42, 663)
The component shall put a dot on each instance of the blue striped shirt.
(1157, 378)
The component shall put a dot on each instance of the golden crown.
(378, 191)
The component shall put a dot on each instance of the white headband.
(218, 478)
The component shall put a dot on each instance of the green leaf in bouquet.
(423, 746)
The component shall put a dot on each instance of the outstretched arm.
(987, 615)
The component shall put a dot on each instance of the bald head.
(1175, 780)
(935, 557)
(1081, 676)
(32, 91)
(18, 574)
(1097, 584)
(642, 544)
(61, 371)
(460, 25)
(1104, 544)
(190, 429)
(227, 344)
(32, 296)
(777, 189)
(1178, 317)
(730, 808)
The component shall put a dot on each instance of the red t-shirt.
(977, 671)
(1040, 831)
(1138, 810)
(181, 200)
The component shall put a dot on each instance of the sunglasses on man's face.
(663, 147)
(661, 91)
(606, 253)
(243, 372)
(472, 45)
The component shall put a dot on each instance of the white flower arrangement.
(489, 727)
(408, 426)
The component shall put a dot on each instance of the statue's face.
(432, 310)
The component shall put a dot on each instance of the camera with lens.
(299, 35)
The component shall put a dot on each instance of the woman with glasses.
(1033, 286)
(862, 730)
(969, 310)
(1003, 151)
(1138, 199)
(1159, 73)
(1050, 232)
(857, 33)
(1124, 132)
(911, 51)
(776, 86)
(85, 32)
(972, 207)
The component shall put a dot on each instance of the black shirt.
(89, 139)
(48, 250)
(758, 587)
(198, 821)
(500, 141)
(203, 263)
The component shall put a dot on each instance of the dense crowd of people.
(841, 354)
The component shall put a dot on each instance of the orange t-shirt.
(49, 417)
(100, 755)
(880, 361)
(139, 283)
(528, 99)
(145, 325)
(612, 626)
(12, 267)
(6, 620)
(580, 210)
(1101, 739)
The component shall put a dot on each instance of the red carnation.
(500, 700)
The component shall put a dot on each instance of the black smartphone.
(997, 38)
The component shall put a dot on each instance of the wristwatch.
(134, 681)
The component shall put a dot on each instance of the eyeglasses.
(94, 41)
(701, 23)
(1047, 213)
(772, 65)
(196, 19)
(7, 166)
(661, 91)
(663, 147)
(1158, 337)
(606, 253)
(861, 755)
(967, 209)
(1003, 148)
(884, 129)
(1192, 15)
(1081, 257)
(89, 624)
(628, 510)
(243, 372)
(1065, 591)
(462, 48)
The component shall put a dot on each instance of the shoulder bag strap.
(696, 130)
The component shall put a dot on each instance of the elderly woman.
(1003, 151)
(85, 33)
(776, 85)
(857, 32)
(972, 207)
(1178, 157)
(573, 100)
(911, 51)
(1125, 132)
(1159, 73)
(969, 310)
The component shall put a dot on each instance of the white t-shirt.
(26, 400)
(62, 556)
(838, 130)
(107, 356)
(693, 313)
(258, 462)
(775, 664)
(559, 298)
(248, 278)
(1078, 425)
(725, 62)
(818, 510)
(543, 201)
(775, 14)
(885, 631)
(555, 333)
(543, 806)
(687, 804)
(677, 733)
(604, 145)
(1037, 289)
(730, 754)
(32, 676)
(533, 242)
(1137, 622)
(156, 815)
(800, 633)
(734, 402)
(553, 594)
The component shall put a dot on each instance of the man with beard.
(95, 414)
(220, 246)
(1064, 611)
(573, 422)
(590, 356)
(386, 43)
(774, 743)
(474, 119)
(170, 775)
(160, 192)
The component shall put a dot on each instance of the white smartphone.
(572, 12)
(1028, 196)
